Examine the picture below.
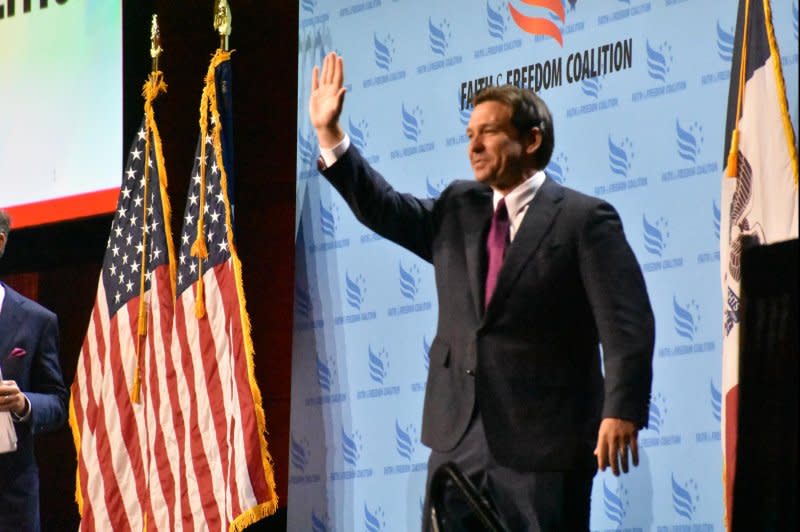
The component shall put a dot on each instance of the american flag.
(117, 442)
(226, 472)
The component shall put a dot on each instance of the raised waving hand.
(327, 99)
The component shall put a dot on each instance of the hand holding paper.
(8, 435)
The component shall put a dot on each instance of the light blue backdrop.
(646, 133)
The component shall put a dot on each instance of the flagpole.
(222, 23)
(150, 94)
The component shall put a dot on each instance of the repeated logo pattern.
(659, 60)
(495, 21)
(686, 318)
(299, 453)
(354, 291)
(378, 365)
(613, 504)
(374, 520)
(657, 414)
(412, 122)
(439, 35)
(328, 219)
(351, 448)
(409, 281)
(620, 156)
(358, 134)
(684, 498)
(716, 401)
(384, 52)
(324, 375)
(655, 235)
(724, 43)
(405, 444)
(557, 168)
(591, 87)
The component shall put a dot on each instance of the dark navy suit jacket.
(29, 356)
(531, 361)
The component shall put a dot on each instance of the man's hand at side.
(12, 399)
(614, 439)
(327, 99)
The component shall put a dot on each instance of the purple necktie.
(496, 245)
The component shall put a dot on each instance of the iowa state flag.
(759, 198)
(224, 470)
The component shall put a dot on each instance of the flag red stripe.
(222, 276)
(174, 382)
(153, 394)
(731, 427)
(96, 413)
(111, 490)
(129, 424)
(208, 358)
(247, 406)
(199, 463)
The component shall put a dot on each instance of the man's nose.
(475, 144)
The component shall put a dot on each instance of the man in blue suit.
(531, 278)
(32, 390)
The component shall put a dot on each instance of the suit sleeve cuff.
(26, 415)
(331, 155)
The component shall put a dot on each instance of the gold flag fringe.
(778, 73)
(250, 516)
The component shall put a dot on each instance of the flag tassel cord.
(154, 85)
(207, 103)
(733, 154)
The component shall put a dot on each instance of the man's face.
(2, 244)
(497, 151)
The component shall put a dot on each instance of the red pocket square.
(18, 352)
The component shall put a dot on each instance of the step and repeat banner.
(638, 91)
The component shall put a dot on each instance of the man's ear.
(534, 140)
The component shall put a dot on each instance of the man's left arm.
(47, 394)
(624, 318)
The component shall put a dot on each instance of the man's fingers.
(315, 78)
(635, 451)
(600, 452)
(330, 60)
(338, 73)
(613, 458)
(623, 455)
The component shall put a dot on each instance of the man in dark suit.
(531, 278)
(32, 390)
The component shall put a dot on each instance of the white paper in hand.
(8, 435)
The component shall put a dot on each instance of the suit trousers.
(524, 500)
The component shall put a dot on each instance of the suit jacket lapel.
(475, 229)
(538, 220)
(10, 318)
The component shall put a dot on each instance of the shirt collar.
(521, 196)
(2, 295)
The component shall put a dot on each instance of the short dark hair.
(5, 222)
(5, 226)
(528, 110)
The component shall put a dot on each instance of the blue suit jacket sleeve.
(401, 218)
(47, 393)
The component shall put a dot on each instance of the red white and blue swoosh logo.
(539, 25)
